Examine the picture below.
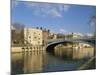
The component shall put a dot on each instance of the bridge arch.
(50, 47)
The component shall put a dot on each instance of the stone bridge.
(53, 43)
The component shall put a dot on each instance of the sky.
(58, 18)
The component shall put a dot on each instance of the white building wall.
(33, 36)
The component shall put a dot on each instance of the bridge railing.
(86, 40)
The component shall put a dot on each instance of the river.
(42, 61)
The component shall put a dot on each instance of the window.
(29, 36)
(38, 42)
(34, 37)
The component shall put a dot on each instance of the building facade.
(45, 37)
(35, 36)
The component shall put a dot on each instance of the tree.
(92, 23)
(60, 36)
(69, 36)
(17, 34)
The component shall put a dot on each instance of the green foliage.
(60, 36)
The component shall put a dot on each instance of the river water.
(42, 61)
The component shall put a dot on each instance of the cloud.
(53, 12)
(62, 30)
(44, 9)
(47, 9)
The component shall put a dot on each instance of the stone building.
(45, 36)
(36, 36)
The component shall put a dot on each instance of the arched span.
(50, 46)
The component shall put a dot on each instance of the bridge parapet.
(50, 46)
(71, 39)
(90, 41)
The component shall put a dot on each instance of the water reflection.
(17, 63)
(41, 61)
(72, 53)
(27, 62)
(32, 62)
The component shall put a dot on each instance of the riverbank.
(90, 64)
(19, 49)
(16, 49)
